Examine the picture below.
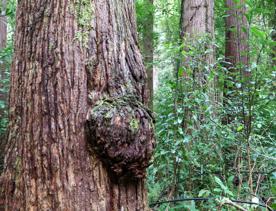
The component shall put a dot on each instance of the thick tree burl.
(121, 132)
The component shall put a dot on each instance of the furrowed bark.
(69, 55)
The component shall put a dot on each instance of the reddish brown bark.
(57, 78)
(236, 47)
(236, 51)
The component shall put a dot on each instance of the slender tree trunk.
(196, 22)
(3, 95)
(70, 58)
(3, 25)
(237, 58)
(3, 42)
(236, 47)
(148, 48)
(273, 36)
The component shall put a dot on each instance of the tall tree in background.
(236, 46)
(3, 95)
(237, 76)
(197, 21)
(76, 65)
(273, 35)
(147, 44)
(3, 42)
(3, 25)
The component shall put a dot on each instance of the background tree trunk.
(236, 47)
(273, 35)
(3, 25)
(237, 76)
(3, 95)
(197, 21)
(68, 56)
(148, 48)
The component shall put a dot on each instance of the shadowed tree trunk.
(237, 77)
(148, 48)
(3, 95)
(79, 136)
(236, 48)
(273, 35)
(3, 25)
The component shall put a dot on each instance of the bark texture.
(69, 55)
(197, 20)
(197, 17)
(236, 49)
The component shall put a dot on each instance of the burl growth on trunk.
(120, 131)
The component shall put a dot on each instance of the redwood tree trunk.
(197, 20)
(3, 95)
(3, 25)
(69, 56)
(236, 50)
(3, 42)
(148, 49)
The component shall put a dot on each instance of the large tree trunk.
(70, 58)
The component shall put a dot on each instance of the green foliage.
(5, 62)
